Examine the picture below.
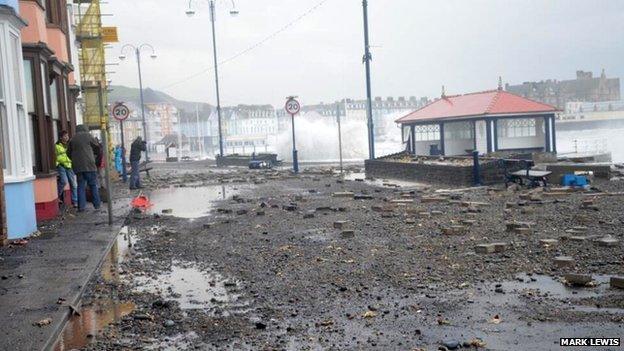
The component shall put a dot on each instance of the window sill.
(42, 175)
(18, 179)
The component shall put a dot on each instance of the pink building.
(50, 92)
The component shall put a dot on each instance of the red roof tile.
(493, 102)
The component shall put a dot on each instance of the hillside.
(127, 94)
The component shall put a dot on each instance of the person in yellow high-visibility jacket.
(64, 169)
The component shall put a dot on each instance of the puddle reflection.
(82, 330)
(190, 202)
(191, 287)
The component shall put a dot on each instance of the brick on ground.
(345, 194)
(578, 279)
(564, 261)
(341, 224)
(549, 242)
(485, 248)
(617, 282)
(347, 234)
(608, 241)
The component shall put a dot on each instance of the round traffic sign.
(292, 106)
(121, 112)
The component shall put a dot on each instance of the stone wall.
(439, 173)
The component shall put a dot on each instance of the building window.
(13, 121)
(66, 105)
(56, 13)
(55, 111)
(30, 106)
(459, 131)
(427, 132)
(4, 125)
(407, 130)
(517, 128)
(45, 85)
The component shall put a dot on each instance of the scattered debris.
(42, 323)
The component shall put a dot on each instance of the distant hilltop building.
(585, 88)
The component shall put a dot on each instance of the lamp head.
(153, 56)
(234, 13)
(190, 12)
(122, 57)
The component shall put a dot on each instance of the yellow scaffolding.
(92, 62)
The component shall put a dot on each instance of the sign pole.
(124, 171)
(121, 112)
(339, 136)
(295, 159)
(293, 107)
(104, 131)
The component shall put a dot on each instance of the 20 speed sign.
(121, 112)
(292, 106)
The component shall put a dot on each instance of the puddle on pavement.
(118, 253)
(193, 288)
(82, 330)
(546, 286)
(391, 183)
(190, 202)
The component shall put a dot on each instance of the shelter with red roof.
(488, 121)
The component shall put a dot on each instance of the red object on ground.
(141, 202)
(493, 102)
(19, 242)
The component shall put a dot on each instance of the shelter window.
(427, 132)
(517, 128)
(459, 131)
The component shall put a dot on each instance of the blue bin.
(574, 180)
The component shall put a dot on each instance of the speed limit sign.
(292, 106)
(121, 112)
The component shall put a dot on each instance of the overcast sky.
(418, 46)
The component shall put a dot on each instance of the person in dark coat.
(138, 146)
(82, 150)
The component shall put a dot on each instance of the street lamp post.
(137, 51)
(190, 12)
(369, 107)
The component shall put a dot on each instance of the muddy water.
(194, 288)
(82, 329)
(191, 202)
